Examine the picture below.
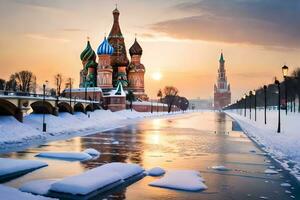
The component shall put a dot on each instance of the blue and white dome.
(105, 48)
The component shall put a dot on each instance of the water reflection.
(194, 141)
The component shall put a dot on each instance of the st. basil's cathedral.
(113, 67)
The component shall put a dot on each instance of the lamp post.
(254, 93)
(245, 104)
(265, 100)
(285, 71)
(70, 82)
(44, 117)
(250, 99)
(279, 97)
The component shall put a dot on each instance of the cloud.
(273, 23)
(73, 30)
(44, 37)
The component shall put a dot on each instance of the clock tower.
(119, 60)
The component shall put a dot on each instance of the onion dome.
(135, 49)
(88, 53)
(105, 48)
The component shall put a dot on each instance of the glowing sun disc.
(156, 76)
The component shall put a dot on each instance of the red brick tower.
(119, 60)
(136, 71)
(222, 94)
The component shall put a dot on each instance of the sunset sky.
(182, 40)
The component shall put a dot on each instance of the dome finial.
(88, 38)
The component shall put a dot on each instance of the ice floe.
(156, 171)
(102, 177)
(13, 167)
(188, 180)
(39, 187)
(220, 168)
(285, 185)
(72, 156)
(92, 152)
(13, 194)
(270, 171)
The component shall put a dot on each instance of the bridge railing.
(38, 95)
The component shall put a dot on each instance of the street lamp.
(44, 96)
(265, 95)
(285, 71)
(254, 93)
(250, 95)
(245, 104)
(278, 87)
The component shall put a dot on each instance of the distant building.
(198, 104)
(222, 93)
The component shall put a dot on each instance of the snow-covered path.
(15, 135)
(284, 146)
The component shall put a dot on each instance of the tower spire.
(222, 57)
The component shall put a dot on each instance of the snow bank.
(188, 180)
(81, 156)
(9, 193)
(282, 147)
(10, 130)
(97, 178)
(38, 187)
(92, 152)
(156, 171)
(13, 167)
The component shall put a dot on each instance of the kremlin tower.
(222, 94)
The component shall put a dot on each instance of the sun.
(156, 76)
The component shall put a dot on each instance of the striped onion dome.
(105, 48)
(88, 53)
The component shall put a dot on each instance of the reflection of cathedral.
(222, 94)
(113, 66)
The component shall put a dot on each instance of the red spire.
(115, 30)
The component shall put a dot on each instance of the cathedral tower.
(104, 70)
(136, 71)
(119, 60)
(88, 73)
(222, 94)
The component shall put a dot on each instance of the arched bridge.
(15, 104)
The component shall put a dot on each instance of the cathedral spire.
(115, 30)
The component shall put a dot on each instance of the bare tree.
(25, 81)
(159, 94)
(2, 84)
(58, 82)
(170, 93)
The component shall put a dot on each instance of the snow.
(156, 171)
(270, 171)
(10, 166)
(188, 180)
(39, 187)
(220, 168)
(13, 194)
(92, 152)
(282, 147)
(81, 156)
(97, 178)
(63, 126)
